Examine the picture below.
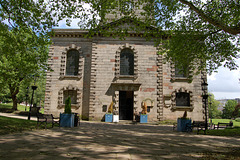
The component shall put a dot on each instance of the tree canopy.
(22, 56)
(201, 33)
(229, 108)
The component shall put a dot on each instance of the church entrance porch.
(126, 105)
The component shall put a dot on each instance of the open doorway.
(126, 105)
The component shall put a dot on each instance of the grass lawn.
(13, 125)
(8, 108)
(232, 132)
(235, 123)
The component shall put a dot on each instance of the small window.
(182, 99)
(126, 62)
(72, 63)
(180, 73)
(72, 94)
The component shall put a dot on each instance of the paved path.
(12, 115)
(94, 140)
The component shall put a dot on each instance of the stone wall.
(57, 81)
(99, 80)
(105, 65)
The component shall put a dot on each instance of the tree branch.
(232, 30)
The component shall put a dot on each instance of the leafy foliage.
(192, 31)
(200, 34)
(213, 107)
(229, 108)
(67, 109)
(22, 55)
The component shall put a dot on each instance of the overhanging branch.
(232, 30)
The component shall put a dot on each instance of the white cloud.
(62, 24)
(225, 83)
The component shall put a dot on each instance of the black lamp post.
(34, 87)
(205, 97)
(27, 98)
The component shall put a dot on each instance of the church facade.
(100, 70)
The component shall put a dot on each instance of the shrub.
(68, 106)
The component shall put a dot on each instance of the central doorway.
(126, 105)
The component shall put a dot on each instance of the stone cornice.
(69, 33)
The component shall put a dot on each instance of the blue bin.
(182, 124)
(66, 120)
(108, 117)
(143, 118)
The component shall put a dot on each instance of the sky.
(225, 84)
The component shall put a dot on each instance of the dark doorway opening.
(125, 105)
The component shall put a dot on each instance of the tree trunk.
(14, 91)
(14, 99)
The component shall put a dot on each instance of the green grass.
(232, 132)
(235, 123)
(14, 125)
(8, 108)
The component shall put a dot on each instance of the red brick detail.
(55, 57)
(170, 87)
(165, 84)
(149, 90)
(164, 73)
(150, 69)
(112, 60)
(154, 68)
(113, 69)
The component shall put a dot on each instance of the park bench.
(223, 125)
(199, 125)
(46, 119)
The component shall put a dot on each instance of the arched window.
(126, 62)
(72, 62)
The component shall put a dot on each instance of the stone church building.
(99, 70)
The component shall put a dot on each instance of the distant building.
(224, 101)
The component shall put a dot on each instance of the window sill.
(127, 77)
(66, 77)
(181, 79)
(183, 108)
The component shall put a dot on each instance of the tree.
(213, 107)
(24, 39)
(39, 94)
(22, 55)
(229, 108)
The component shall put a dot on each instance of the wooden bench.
(46, 119)
(223, 125)
(199, 125)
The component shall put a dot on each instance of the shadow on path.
(110, 141)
